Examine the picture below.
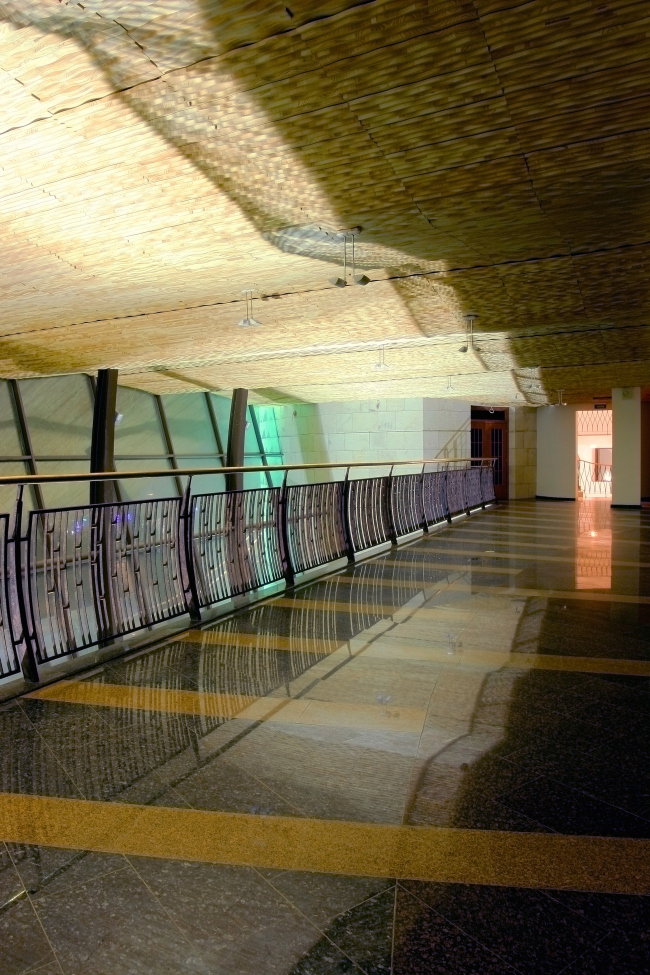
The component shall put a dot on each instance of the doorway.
(594, 442)
(489, 439)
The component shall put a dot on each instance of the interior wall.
(370, 430)
(645, 450)
(626, 446)
(522, 452)
(556, 452)
(446, 427)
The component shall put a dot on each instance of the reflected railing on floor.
(74, 578)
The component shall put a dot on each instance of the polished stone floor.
(433, 762)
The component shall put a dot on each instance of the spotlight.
(463, 348)
(361, 279)
(338, 282)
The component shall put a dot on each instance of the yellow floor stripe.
(496, 570)
(331, 605)
(396, 649)
(538, 860)
(583, 665)
(581, 596)
(172, 700)
(522, 556)
(260, 641)
(303, 711)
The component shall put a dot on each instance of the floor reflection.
(427, 688)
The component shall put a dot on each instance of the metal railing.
(594, 480)
(79, 577)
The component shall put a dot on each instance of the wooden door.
(489, 438)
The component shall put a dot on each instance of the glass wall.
(46, 428)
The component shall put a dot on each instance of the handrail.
(86, 575)
(198, 471)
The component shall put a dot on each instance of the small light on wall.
(118, 418)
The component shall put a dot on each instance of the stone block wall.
(368, 430)
(522, 449)
(446, 428)
(399, 429)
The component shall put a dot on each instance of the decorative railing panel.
(368, 512)
(86, 576)
(406, 503)
(236, 542)
(594, 480)
(9, 662)
(487, 484)
(315, 529)
(473, 487)
(456, 497)
(434, 496)
(101, 571)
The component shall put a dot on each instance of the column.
(102, 446)
(626, 447)
(557, 453)
(236, 436)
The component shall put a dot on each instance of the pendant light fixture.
(382, 365)
(248, 321)
(469, 333)
(342, 282)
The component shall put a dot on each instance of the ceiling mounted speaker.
(338, 282)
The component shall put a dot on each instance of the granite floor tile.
(616, 773)
(23, 942)
(365, 933)
(525, 928)
(27, 764)
(225, 786)
(57, 721)
(473, 812)
(102, 767)
(114, 925)
(426, 943)
(51, 967)
(611, 957)
(325, 959)
(488, 776)
(625, 917)
(236, 920)
(11, 883)
(43, 868)
(323, 897)
(570, 811)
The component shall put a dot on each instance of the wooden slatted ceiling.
(159, 158)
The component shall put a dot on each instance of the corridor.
(432, 762)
